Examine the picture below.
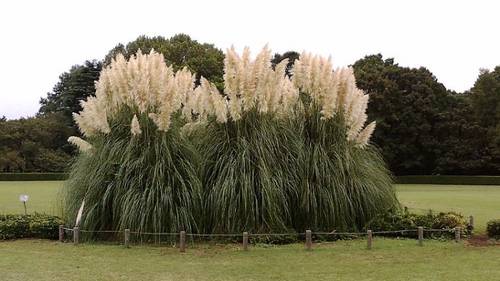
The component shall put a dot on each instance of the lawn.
(42, 196)
(390, 259)
(343, 260)
(480, 201)
(483, 202)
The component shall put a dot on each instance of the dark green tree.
(463, 148)
(485, 99)
(290, 55)
(422, 127)
(36, 144)
(179, 51)
(79, 82)
(73, 86)
(407, 104)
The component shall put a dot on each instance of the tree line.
(422, 127)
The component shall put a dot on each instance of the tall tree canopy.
(485, 97)
(422, 127)
(179, 51)
(290, 55)
(78, 83)
(73, 86)
(34, 144)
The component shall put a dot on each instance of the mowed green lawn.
(480, 201)
(343, 260)
(390, 259)
(42, 196)
(483, 202)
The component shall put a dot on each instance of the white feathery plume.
(188, 128)
(79, 214)
(364, 136)
(144, 83)
(335, 92)
(147, 84)
(93, 118)
(82, 145)
(355, 114)
(314, 76)
(212, 102)
(232, 77)
(253, 83)
(135, 128)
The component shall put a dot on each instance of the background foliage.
(422, 127)
(399, 220)
(493, 229)
(73, 86)
(36, 144)
(29, 226)
(179, 51)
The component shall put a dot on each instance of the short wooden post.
(308, 240)
(245, 241)
(420, 236)
(471, 224)
(457, 234)
(61, 233)
(126, 238)
(370, 237)
(76, 235)
(182, 241)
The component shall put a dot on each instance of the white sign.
(23, 198)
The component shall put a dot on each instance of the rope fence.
(180, 237)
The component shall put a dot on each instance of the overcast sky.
(42, 39)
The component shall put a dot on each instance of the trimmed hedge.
(401, 220)
(32, 176)
(493, 229)
(430, 179)
(29, 226)
(471, 180)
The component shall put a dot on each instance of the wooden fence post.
(420, 236)
(182, 241)
(126, 237)
(245, 241)
(471, 224)
(308, 239)
(61, 233)
(457, 234)
(370, 237)
(76, 235)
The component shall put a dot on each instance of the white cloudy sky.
(42, 39)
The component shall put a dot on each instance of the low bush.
(29, 226)
(32, 176)
(404, 220)
(493, 228)
(432, 179)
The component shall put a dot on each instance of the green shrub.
(29, 226)
(493, 228)
(32, 176)
(403, 220)
(432, 179)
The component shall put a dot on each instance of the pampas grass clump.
(269, 153)
(342, 180)
(137, 171)
(248, 154)
(291, 153)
